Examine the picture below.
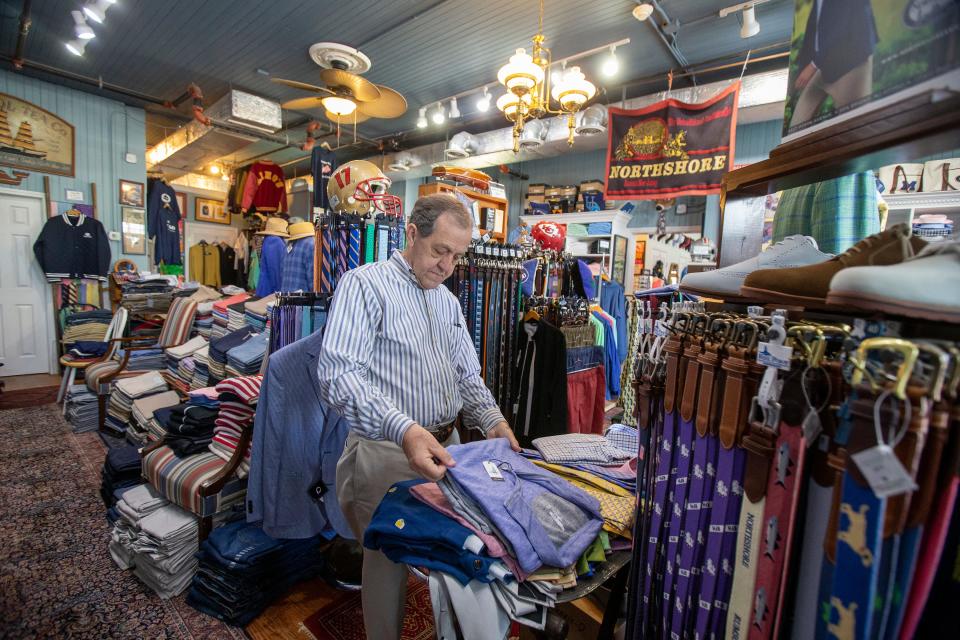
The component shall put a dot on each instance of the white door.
(25, 345)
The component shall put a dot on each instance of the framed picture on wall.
(131, 193)
(134, 230)
(619, 260)
(206, 210)
(182, 203)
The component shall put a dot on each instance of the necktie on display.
(343, 246)
(353, 254)
(326, 258)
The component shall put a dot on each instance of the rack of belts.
(346, 241)
(796, 478)
(296, 315)
(486, 281)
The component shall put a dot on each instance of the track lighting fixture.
(642, 11)
(438, 117)
(611, 65)
(483, 102)
(454, 112)
(750, 26)
(76, 47)
(81, 28)
(97, 9)
(422, 120)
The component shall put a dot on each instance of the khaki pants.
(848, 88)
(366, 470)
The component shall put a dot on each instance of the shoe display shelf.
(905, 207)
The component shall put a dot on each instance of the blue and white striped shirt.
(395, 354)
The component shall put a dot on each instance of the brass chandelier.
(528, 81)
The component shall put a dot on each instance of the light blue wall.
(104, 131)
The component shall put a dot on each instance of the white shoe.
(792, 251)
(924, 286)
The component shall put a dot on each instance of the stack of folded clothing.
(125, 391)
(256, 311)
(242, 570)
(221, 315)
(246, 359)
(82, 411)
(201, 368)
(217, 355)
(88, 326)
(138, 430)
(203, 321)
(238, 404)
(87, 351)
(157, 539)
(144, 359)
(121, 470)
(148, 295)
(236, 314)
(188, 427)
(176, 355)
(185, 371)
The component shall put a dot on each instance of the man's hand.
(503, 430)
(426, 456)
(805, 76)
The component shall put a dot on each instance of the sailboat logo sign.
(35, 139)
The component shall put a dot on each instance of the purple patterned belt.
(652, 577)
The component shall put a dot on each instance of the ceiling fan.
(347, 98)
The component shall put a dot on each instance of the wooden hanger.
(325, 145)
(73, 213)
(531, 315)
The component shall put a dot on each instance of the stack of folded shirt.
(188, 427)
(141, 416)
(246, 359)
(86, 351)
(144, 360)
(203, 293)
(146, 296)
(157, 539)
(256, 311)
(82, 411)
(125, 391)
(86, 326)
(221, 315)
(217, 355)
(203, 321)
(236, 318)
(238, 404)
(175, 355)
(242, 570)
(121, 470)
(201, 369)
(587, 448)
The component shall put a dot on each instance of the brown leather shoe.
(808, 286)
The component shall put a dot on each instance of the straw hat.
(299, 230)
(275, 227)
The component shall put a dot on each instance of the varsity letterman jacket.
(264, 189)
(71, 247)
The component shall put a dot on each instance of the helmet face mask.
(360, 187)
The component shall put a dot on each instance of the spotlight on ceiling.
(76, 47)
(750, 26)
(438, 117)
(642, 11)
(422, 120)
(483, 102)
(611, 65)
(97, 10)
(454, 109)
(81, 28)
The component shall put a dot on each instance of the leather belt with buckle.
(443, 433)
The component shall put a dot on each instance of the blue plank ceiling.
(426, 49)
(104, 131)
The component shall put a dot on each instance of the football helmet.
(359, 187)
(549, 234)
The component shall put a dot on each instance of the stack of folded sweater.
(121, 470)
(256, 311)
(221, 315)
(82, 411)
(242, 570)
(86, 351)
(142, 414)
(246, 359)
(86, 326)
(236, 314)
(201, 368)
(175, 357)
(157, 539)
(146, 296)
(125, 391)
(238, 404)
(203, 321)
(188, 427)
(217, 356)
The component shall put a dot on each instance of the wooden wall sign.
(32, 138)
(13, 178)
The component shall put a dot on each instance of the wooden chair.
(203, 483)
(100, 375)
(116, 329)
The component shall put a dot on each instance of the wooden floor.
(28, 391)
(283, 620)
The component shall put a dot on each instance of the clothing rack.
(296, 315)
(347, 241)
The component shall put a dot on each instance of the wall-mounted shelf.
(486, 200)
(614, 215)
(924, 200)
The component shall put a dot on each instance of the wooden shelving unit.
(486, 200)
